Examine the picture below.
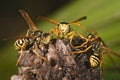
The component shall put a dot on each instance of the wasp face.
(64, 27)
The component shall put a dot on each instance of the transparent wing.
(28, 20)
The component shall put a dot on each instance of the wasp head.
(64, 27)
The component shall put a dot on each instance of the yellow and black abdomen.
(94, 60)
(23, 43)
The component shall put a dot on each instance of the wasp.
(63, 29)
(96, 48)
(99, 47)
(34, 40)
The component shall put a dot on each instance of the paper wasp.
(99, 48)
(95, 47)
(36, 40)
(63, 29)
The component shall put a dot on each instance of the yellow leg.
(53, 33)
(71, 41)
(21, 54)
(110, 57)
(81, 51)
(37, 54)
(28, 32)
(111, 51)
(86, 41)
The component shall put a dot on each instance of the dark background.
(103, 17)
(10, 20)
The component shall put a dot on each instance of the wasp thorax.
(37, 33)
(96, 46)
(64, 27)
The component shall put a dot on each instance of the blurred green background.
(103, 16)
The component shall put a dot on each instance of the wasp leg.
(110, 57)
(81, 51)
(28, 33)
(86, 41)
(21, 54)
(53, 33)
(36, 52)
(111, 51)
(57, 32)
(71, 37)
(101, 62)
(71, 34)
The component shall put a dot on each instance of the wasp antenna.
(28, 19)
(49, 20)
(111, 51)
(75, 22)
(79, 25)
(80, 19)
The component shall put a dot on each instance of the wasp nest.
(42, 57)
